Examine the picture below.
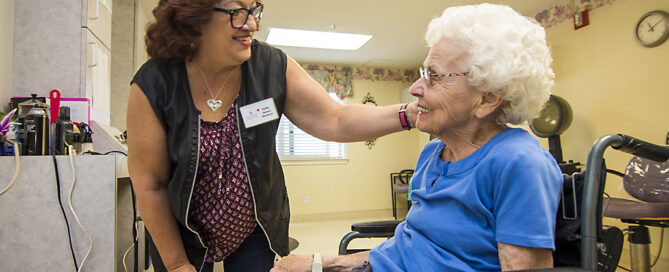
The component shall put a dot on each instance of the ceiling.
(398, 26)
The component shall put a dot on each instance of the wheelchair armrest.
(385, 226)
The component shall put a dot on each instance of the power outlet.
(307, 200)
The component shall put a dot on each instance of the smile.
(423, 110)
(244, 38)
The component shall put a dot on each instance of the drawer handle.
(95, 60)
(97, 10)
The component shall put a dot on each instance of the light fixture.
(316, 39)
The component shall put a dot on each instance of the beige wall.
(362, 184)
(6, 49)
(614, 85)
(144, 17)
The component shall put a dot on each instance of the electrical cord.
(106, 153)
(134, 230)
(611, 171)
(125, 268)
(606, 205)
(67, 223)
(74, 180)
(659, 251)
(115, 151)
(18, 167)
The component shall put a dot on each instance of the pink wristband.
(404, 121)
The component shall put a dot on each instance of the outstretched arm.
(310, 108)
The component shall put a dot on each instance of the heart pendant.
(214, 104)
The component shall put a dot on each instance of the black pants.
(253, 255)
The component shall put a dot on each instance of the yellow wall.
(614, 85)
(363, 183)
(6, 51)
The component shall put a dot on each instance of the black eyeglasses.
(238, 17)
(431, 77)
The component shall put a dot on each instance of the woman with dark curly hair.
(202, 117)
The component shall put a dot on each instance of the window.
(294, 144)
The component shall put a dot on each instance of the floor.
(323, 237)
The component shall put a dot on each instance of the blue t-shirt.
(506, 191)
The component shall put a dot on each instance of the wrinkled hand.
(293, 263)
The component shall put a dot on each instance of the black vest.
(167, 89)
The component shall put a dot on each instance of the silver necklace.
(213, 103)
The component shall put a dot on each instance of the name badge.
(259, 113)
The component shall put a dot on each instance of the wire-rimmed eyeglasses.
(238, 17)
(431, 77)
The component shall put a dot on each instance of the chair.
(647, 181)
(597, 249)
(399, 184)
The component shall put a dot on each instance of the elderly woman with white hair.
(484, 194)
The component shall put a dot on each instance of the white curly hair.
(506, 52)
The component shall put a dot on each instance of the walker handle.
(643, 149)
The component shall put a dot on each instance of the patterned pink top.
(221, 205)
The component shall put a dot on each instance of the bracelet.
(317, 265)
(404, 121)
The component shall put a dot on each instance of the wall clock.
(653, 28)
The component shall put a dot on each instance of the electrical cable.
(17, 168)
(135, 229)
(659, 251)
(67, 223)
(611, 171)
(74, 180)
(115, 151)
(126, 255)
(606, 205)
(106, 153)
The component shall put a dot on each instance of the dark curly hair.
(175, 35)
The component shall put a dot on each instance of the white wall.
(6, 51)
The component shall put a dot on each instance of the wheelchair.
(582, 243)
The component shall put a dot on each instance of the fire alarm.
(581, 19)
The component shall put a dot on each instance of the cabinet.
(64, 45)
(33, 231)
